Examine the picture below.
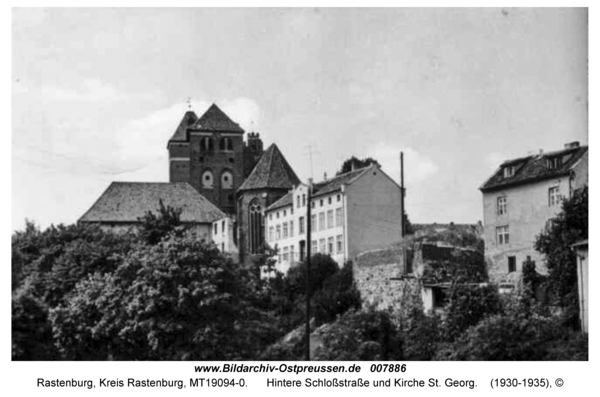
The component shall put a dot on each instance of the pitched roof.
(214, 119)
(286, 200)
(534, 168)
(335, 184)
(272, 171)
(128, 201)
(189, 119)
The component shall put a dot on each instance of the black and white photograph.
(299, 184)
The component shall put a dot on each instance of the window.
(285, 230)
(304, 200)
(321, 220)
(207, 180)
(284, 212)
(256, 226)
(322, 246)
(340, 244)
(301, 225)
(298, 201)
(312, 205)
(329, 200)
(223, 227)
(501, 206)
(226, 144)
(270, 233)
(554, 162)
(285, 254)
(291, 228)
(277, 214)
(206, 144)
(339, 220)
(313, 247)
(227, 180)
(271, 217)
(321, 203)
(339, 198)
(313, 223)
(502, 235)
(553, 196)
(330, 245)
(278, 233)
(329, 219)
(291, 253)
(509, 171)
(216, 227)
(512, 264)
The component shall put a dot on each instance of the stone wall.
(379, 277)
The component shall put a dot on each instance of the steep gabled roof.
(214, 119)
(335, 184)
(272, 171)
(128, 201)
(189, 119)
(534, 168)
(285, 201)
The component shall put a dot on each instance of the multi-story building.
(518, 200)
(354, 212)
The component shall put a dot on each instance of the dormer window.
(554, 162)
(509, 171)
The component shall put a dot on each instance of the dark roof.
(285, 201)
(335, 184)
(214, 119)
(272, 171)
(534, 168)
(189, 118)
(128, 201)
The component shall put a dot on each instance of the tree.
(178, 299)
(555, 241)
(357, 163)
(156, 226)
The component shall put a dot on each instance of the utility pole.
(308, 253)
(402, 193)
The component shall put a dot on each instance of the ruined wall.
(378, 276)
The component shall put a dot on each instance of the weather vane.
(189, 102)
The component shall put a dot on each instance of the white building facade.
(351, 213)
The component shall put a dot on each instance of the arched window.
(226, 180)
(207, 180)
(255, 226)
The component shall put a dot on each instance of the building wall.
(265, 198)
(582, 286)
(179, 162)
(217, 161)
(528, 210)
(374, 211)
(202, 230)
(320, 234)
(223, 236)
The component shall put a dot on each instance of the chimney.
(572, 145)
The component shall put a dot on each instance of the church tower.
(210, 154)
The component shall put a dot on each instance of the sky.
(97, 93)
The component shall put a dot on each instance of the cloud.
(243, 111)
(90, 90)
(494, 159)
(417, 167)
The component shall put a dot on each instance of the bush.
(467, 305)
(504, 338)
(337, 295)
(365, 335)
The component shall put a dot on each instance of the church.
(216, 176)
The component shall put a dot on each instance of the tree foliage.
(561, 232)
(155, 227)
(348, 164)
